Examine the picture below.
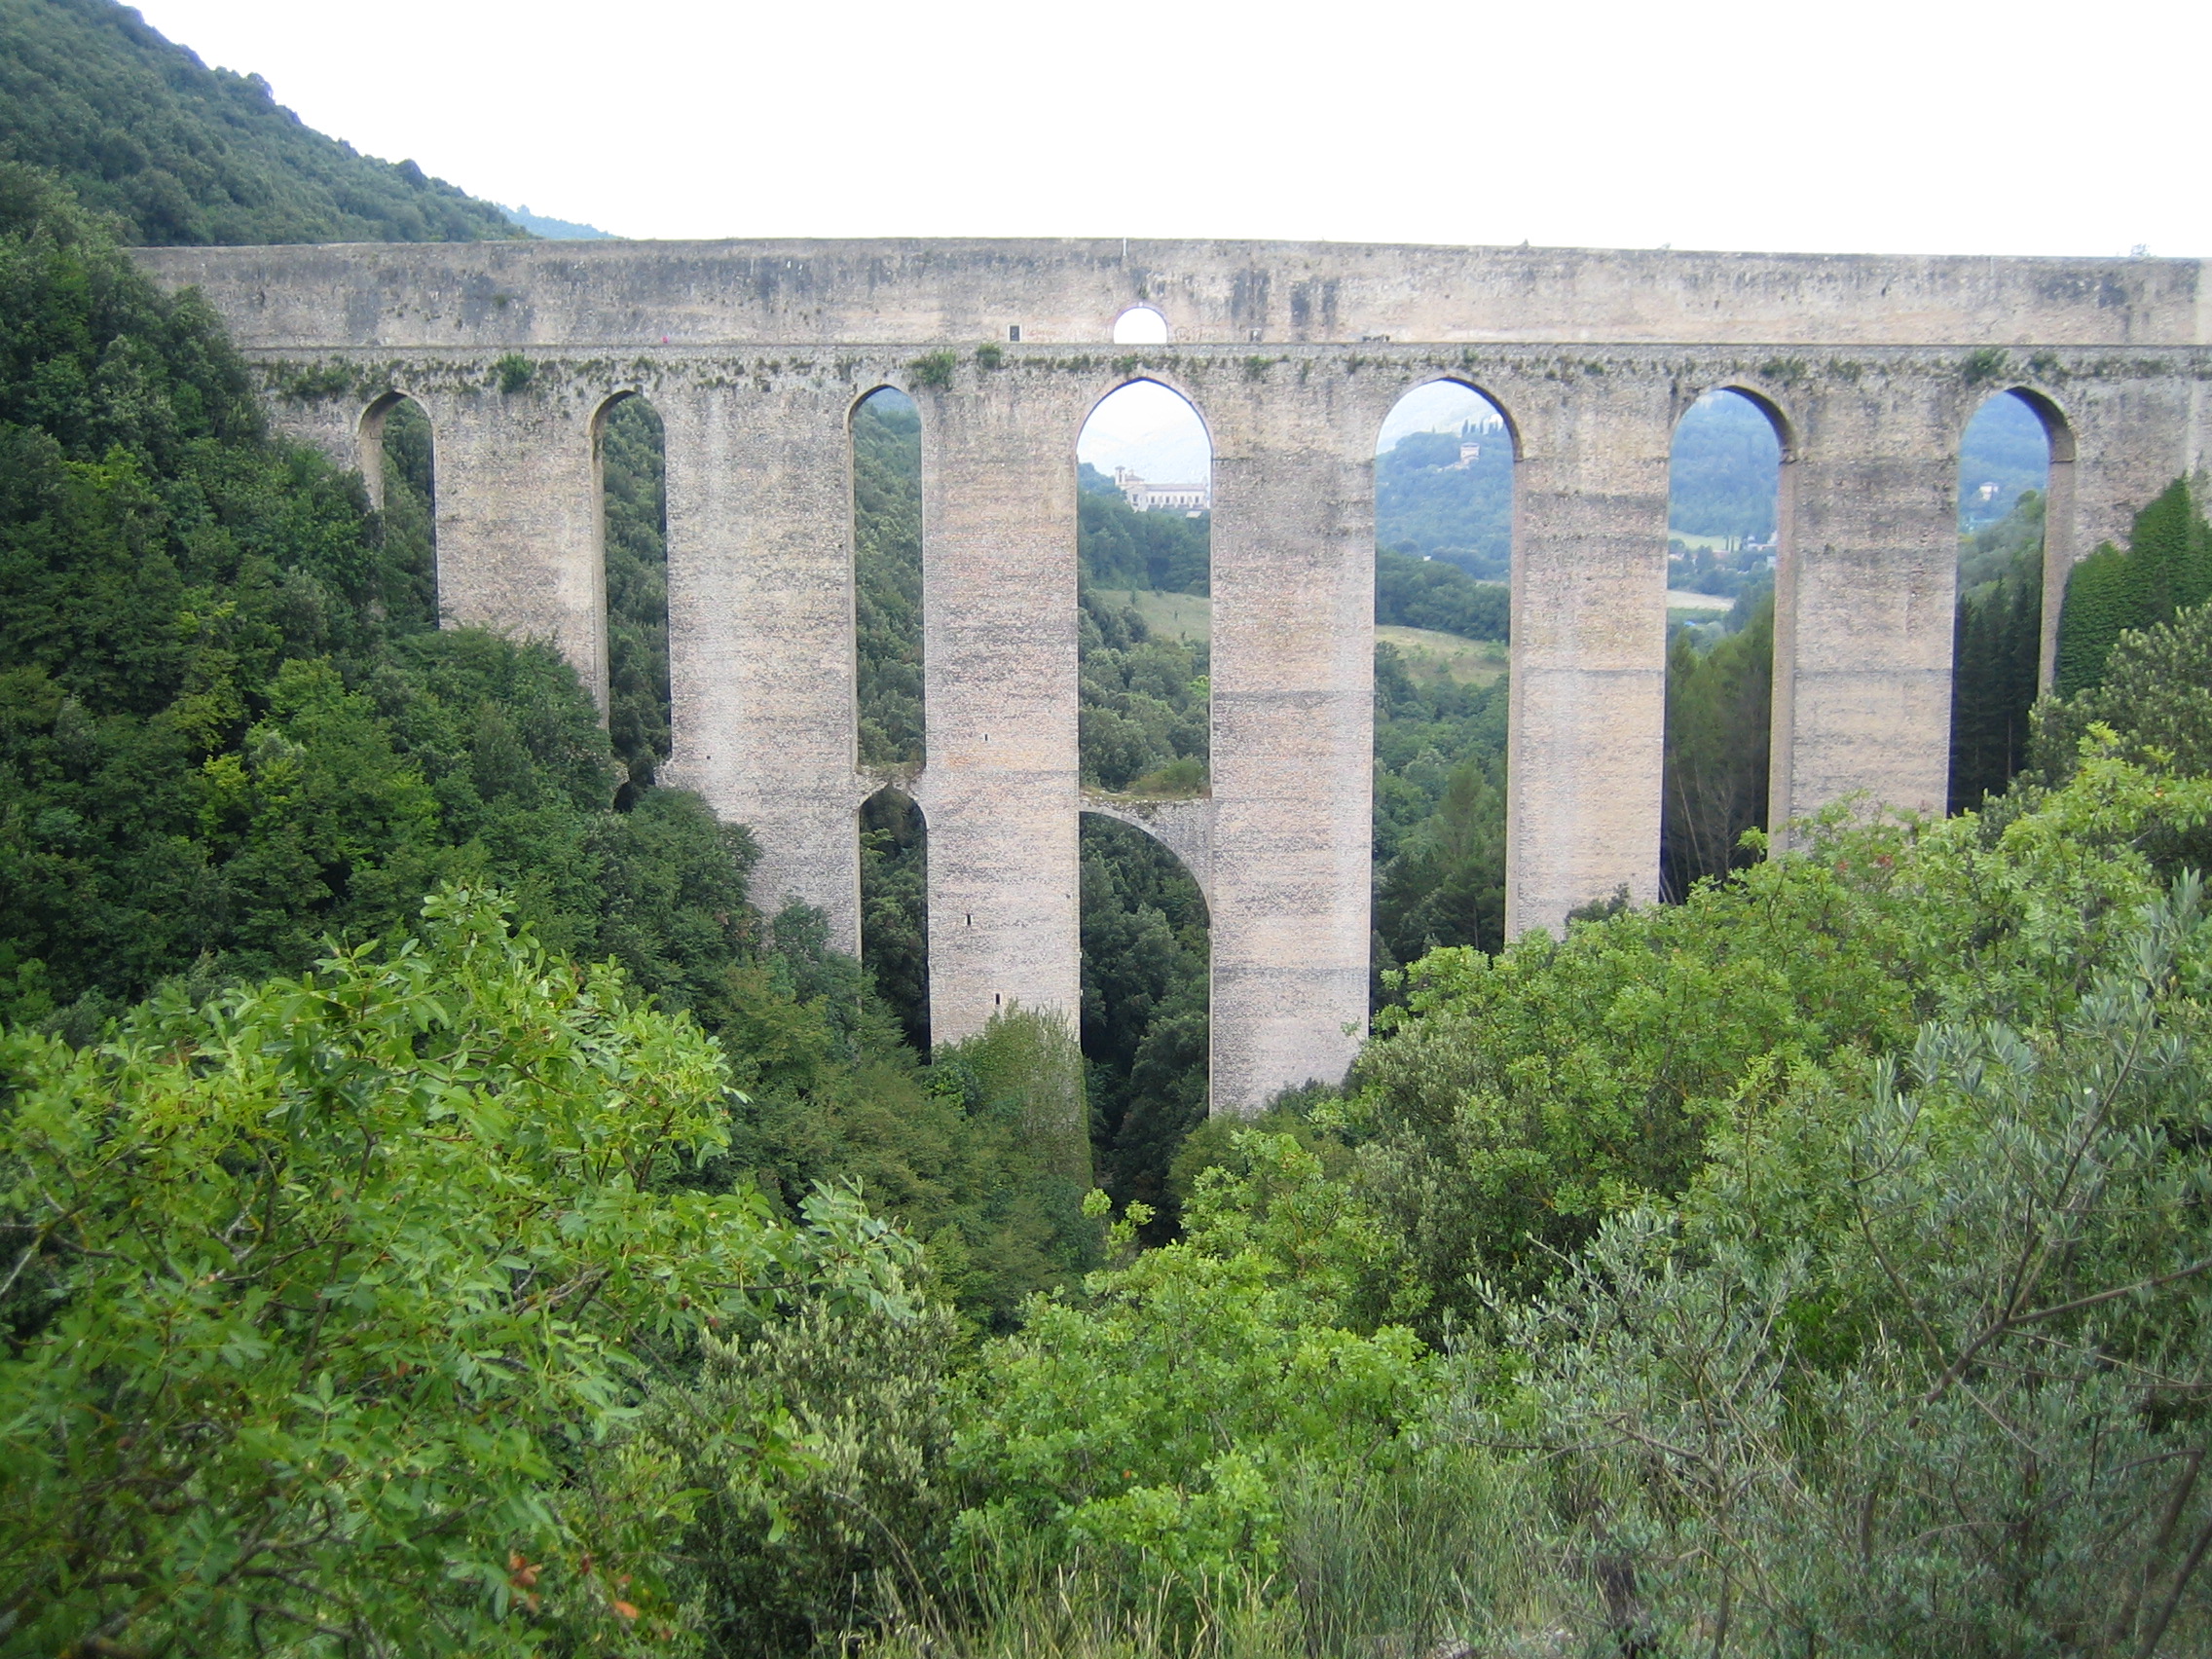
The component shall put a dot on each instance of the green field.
(1429, 654)
(1432, 655)
(1176, 615)
(1678, 600)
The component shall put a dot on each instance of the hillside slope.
(182, 154)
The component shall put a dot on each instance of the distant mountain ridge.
(556, 230)
(138, 128)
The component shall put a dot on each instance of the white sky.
(1873, 126)
(1149, 429)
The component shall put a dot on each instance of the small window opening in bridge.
(2005, 476)
(1724, 524)
(1146, 957)
(1014, 333)
(887, 581)
(1443, 550)
(1140, 325)
(633, 502)
(895, 913)
(399, 465)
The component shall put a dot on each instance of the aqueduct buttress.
(754, 354)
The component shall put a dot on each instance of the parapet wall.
(755, 353)
(619, 294)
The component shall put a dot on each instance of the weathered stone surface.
(761, 630)
(755, 353)
(1293, 741)
(999, 690)
(1865, 586)
(1586, 731)
(625, 295)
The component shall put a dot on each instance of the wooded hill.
(180, 153)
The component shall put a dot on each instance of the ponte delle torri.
(755, 353)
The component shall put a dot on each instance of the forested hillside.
(180, 153)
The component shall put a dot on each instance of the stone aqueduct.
(755, 353)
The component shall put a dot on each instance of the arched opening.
(399, 466)
(630, 449)
(1144, 467)
(1724, 512)
(895, 916)
(2005, 476)
(887, 581)
(1443, 552)
(1140, 325)
(1145, 965)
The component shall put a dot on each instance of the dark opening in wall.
(895, 918)
(2005, 469)
(1442, 546)
(1146, 960)
(1724, 523)
(634, 542)
(401, 458)
(887, 580)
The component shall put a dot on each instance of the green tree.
(1146, 1024)
(322, 1295)
(1720, 714)
(139, 129)
(1432, 593)
(1515, 1102)
(632, 467)
(1915, 1367)
(1997, 653)
(2155, 698)
(2167, 567)
(895, 910)
(887, 567)
(1439, 816)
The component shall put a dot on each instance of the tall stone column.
(1866, 589)
(1587, 711)
(761, 631)
(1293, 744)
(518, 519)
(998, 676)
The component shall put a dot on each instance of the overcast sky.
(1881, 126)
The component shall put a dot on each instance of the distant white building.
(1469, 454)
(1163, 497)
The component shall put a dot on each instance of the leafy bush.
(322, 1294)
(1143, 1430)
(1921, 1366)
(790, 1549)
(2167, 567)
(1516, 1101)
(2155, 698)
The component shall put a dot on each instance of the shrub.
(319, 1296)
